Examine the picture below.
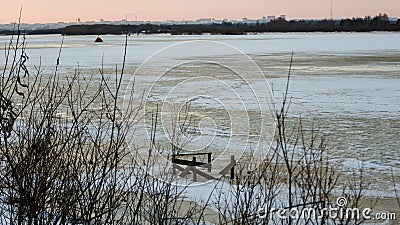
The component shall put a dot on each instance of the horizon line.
(195, 19)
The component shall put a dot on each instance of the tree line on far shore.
(380, 22)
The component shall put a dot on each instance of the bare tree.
(63, 158)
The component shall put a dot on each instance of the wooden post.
(209, 162)
(173, 165)
(193, 170)
(233, 168)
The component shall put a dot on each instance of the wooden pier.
(193, 165)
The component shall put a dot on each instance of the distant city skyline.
(50, 11)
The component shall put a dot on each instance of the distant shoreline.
(368, 24)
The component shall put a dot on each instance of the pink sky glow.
(41, 11)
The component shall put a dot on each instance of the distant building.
(218, 21)
(282, 17)
(204, 21)
(78, 21)
(393, 20)
(263, 20)
(170, 22)
(270, 18)
(251, 21)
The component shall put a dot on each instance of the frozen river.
(348, 84)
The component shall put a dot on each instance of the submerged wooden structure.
(192, 166)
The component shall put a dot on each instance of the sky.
(44, 11)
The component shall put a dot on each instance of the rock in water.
(98, 39)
